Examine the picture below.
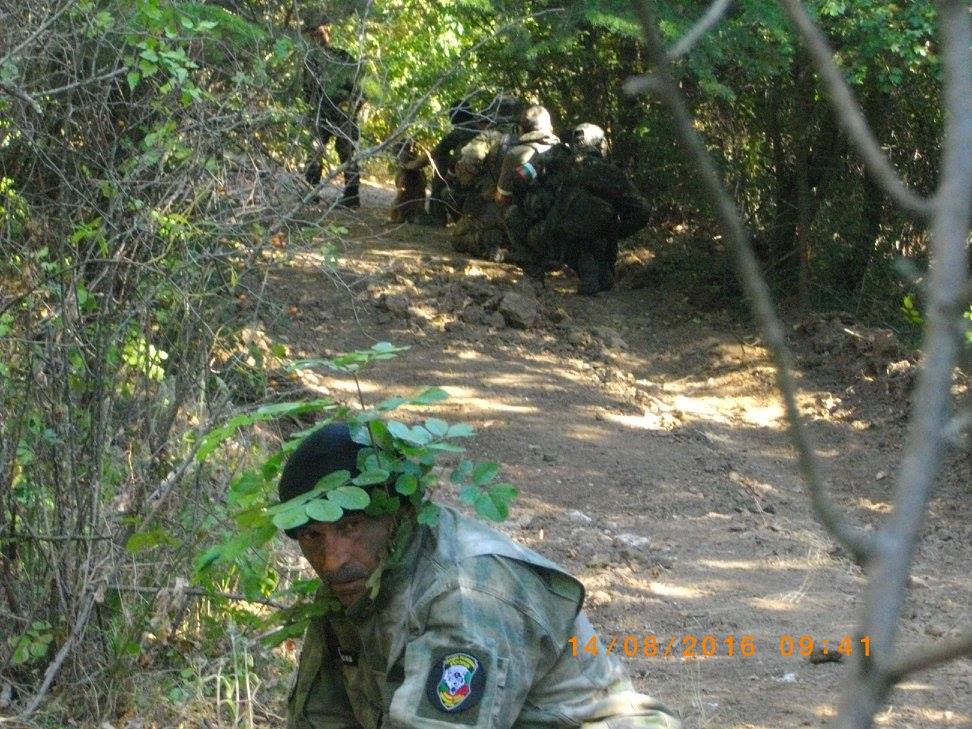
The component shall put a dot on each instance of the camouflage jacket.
(527, 145)
(471, 631)
(330, 82)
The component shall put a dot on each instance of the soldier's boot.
(350, 198)
(430, 220)
(605, 276)
(587, 271)
(313, 173)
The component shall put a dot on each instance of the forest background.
(135, 140)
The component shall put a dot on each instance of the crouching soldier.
(442, 625)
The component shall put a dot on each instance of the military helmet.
(315, 21)
(535, 118)
(588, 137)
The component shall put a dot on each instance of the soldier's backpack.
(477, 157)
(606, 182)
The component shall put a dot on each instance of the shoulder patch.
(456, 682)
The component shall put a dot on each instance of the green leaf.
(349, 497)
(416, 436)
(484, 472)
(460, 474)
(133, 77)
(489, 509)
(291, 518)
(332, 481)
(369, 478)
(460, 430)
(390, 404)
(428, 515)
(505, 492)
(406, 484)
(207, 558)
(429, 396)
(323, 510)
(470, 495)
(437, 427)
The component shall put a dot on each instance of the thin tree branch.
(19, 93)
(859, 544)
(640, 84)
(198, 592)
(929, 656)
(849, 114)
(925, 443)
(704, 24)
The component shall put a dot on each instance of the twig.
(929, 656)
(930, 407)
(198, 592)
(858, 543)
(849, 114)
(708, 21)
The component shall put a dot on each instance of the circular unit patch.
(456, 682)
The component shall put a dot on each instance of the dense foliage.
(146, 159)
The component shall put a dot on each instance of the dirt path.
(647, 443)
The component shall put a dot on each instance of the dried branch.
(859, 544)
(929, 656)
(198, 592)
(925, 444)
(849, 114)
(704, 24)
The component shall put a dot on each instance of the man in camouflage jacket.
(331, 88)
(468, 629)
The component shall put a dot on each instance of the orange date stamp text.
(710, 645)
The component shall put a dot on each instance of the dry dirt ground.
(647, 441)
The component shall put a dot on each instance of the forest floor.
(647, 440)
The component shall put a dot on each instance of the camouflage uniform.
(480, 231)
(442, 200)
(472, 631)
(514, 181)
(331, 89)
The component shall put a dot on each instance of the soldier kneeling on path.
(515, 179)
(446, 623)
(575, 207)
(409, 205)
(480, 230)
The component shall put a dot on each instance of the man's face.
(345, 553)
(322, 34)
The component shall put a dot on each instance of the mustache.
(348, 573)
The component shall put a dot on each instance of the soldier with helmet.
(332, 90)
(441, 624)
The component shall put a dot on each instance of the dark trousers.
(346, 135)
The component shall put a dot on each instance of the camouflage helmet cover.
(588, 137)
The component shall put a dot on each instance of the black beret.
(324, 451)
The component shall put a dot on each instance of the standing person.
(331, 88)
(464, 627)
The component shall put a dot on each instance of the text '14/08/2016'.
(710, 646)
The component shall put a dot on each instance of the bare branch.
(930, 656)
(19, 93)
(854, 540)
(925, 443)
(849, 114)
(199, 592)
(704, 24)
